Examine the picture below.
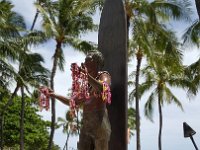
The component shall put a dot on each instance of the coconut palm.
(10, 24)
(65, 21)
(70, 126)
(165, 72)
(33, 73)
(30, 73)
(145, 20)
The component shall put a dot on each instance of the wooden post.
(112, 42)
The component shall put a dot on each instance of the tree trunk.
(137, 107)
(22, 119)
(197, 2)
(160, 122)
(35, 19)
(53, 111)
(66, 143)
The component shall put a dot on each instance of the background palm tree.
(70, 126)
(145, 23)
(64, 21)
(10, 25)
(165, 72)
(33, 73)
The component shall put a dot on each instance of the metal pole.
(194, 143)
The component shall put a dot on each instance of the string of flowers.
(106, 93)
(79, 85)
(44, 98)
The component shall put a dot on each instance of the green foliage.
(131, 120)
(35, 129)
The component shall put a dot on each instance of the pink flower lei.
(79, 85)
(106, 94)
(44, 98)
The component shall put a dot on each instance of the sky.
(173, 118)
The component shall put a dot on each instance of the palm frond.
(176, 10)
(81, 45)
(192, 34)
(49, 23)
(171, 98)
(149, 106)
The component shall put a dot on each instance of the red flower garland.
(44, 98)
(79, 85)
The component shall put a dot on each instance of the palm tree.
(165, 72)
(191, 36)
(30, 72)
(64, 21)
(70, 126)
(10, 25)
(33, 74)
(144, 22)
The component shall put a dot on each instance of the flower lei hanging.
(44, 98)
(79, 85)
(106, 94)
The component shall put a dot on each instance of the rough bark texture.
(22, 119)
(160, 122)
(113, 44)
(137, 104)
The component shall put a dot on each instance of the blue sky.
(172, 137)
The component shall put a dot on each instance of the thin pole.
(194, 143)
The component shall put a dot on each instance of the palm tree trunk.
(66, 143)
(139, 60)
(197, 2)
(53, 111)
(35, 18)
(160, 123)
(22, 120)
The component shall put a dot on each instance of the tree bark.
(22, 119)
(53, 111)
(160, 122)
(137, 106)
(35, 19)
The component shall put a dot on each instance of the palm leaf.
(149, 106)
(192, 34)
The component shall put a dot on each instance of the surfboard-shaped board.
(112, 42)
